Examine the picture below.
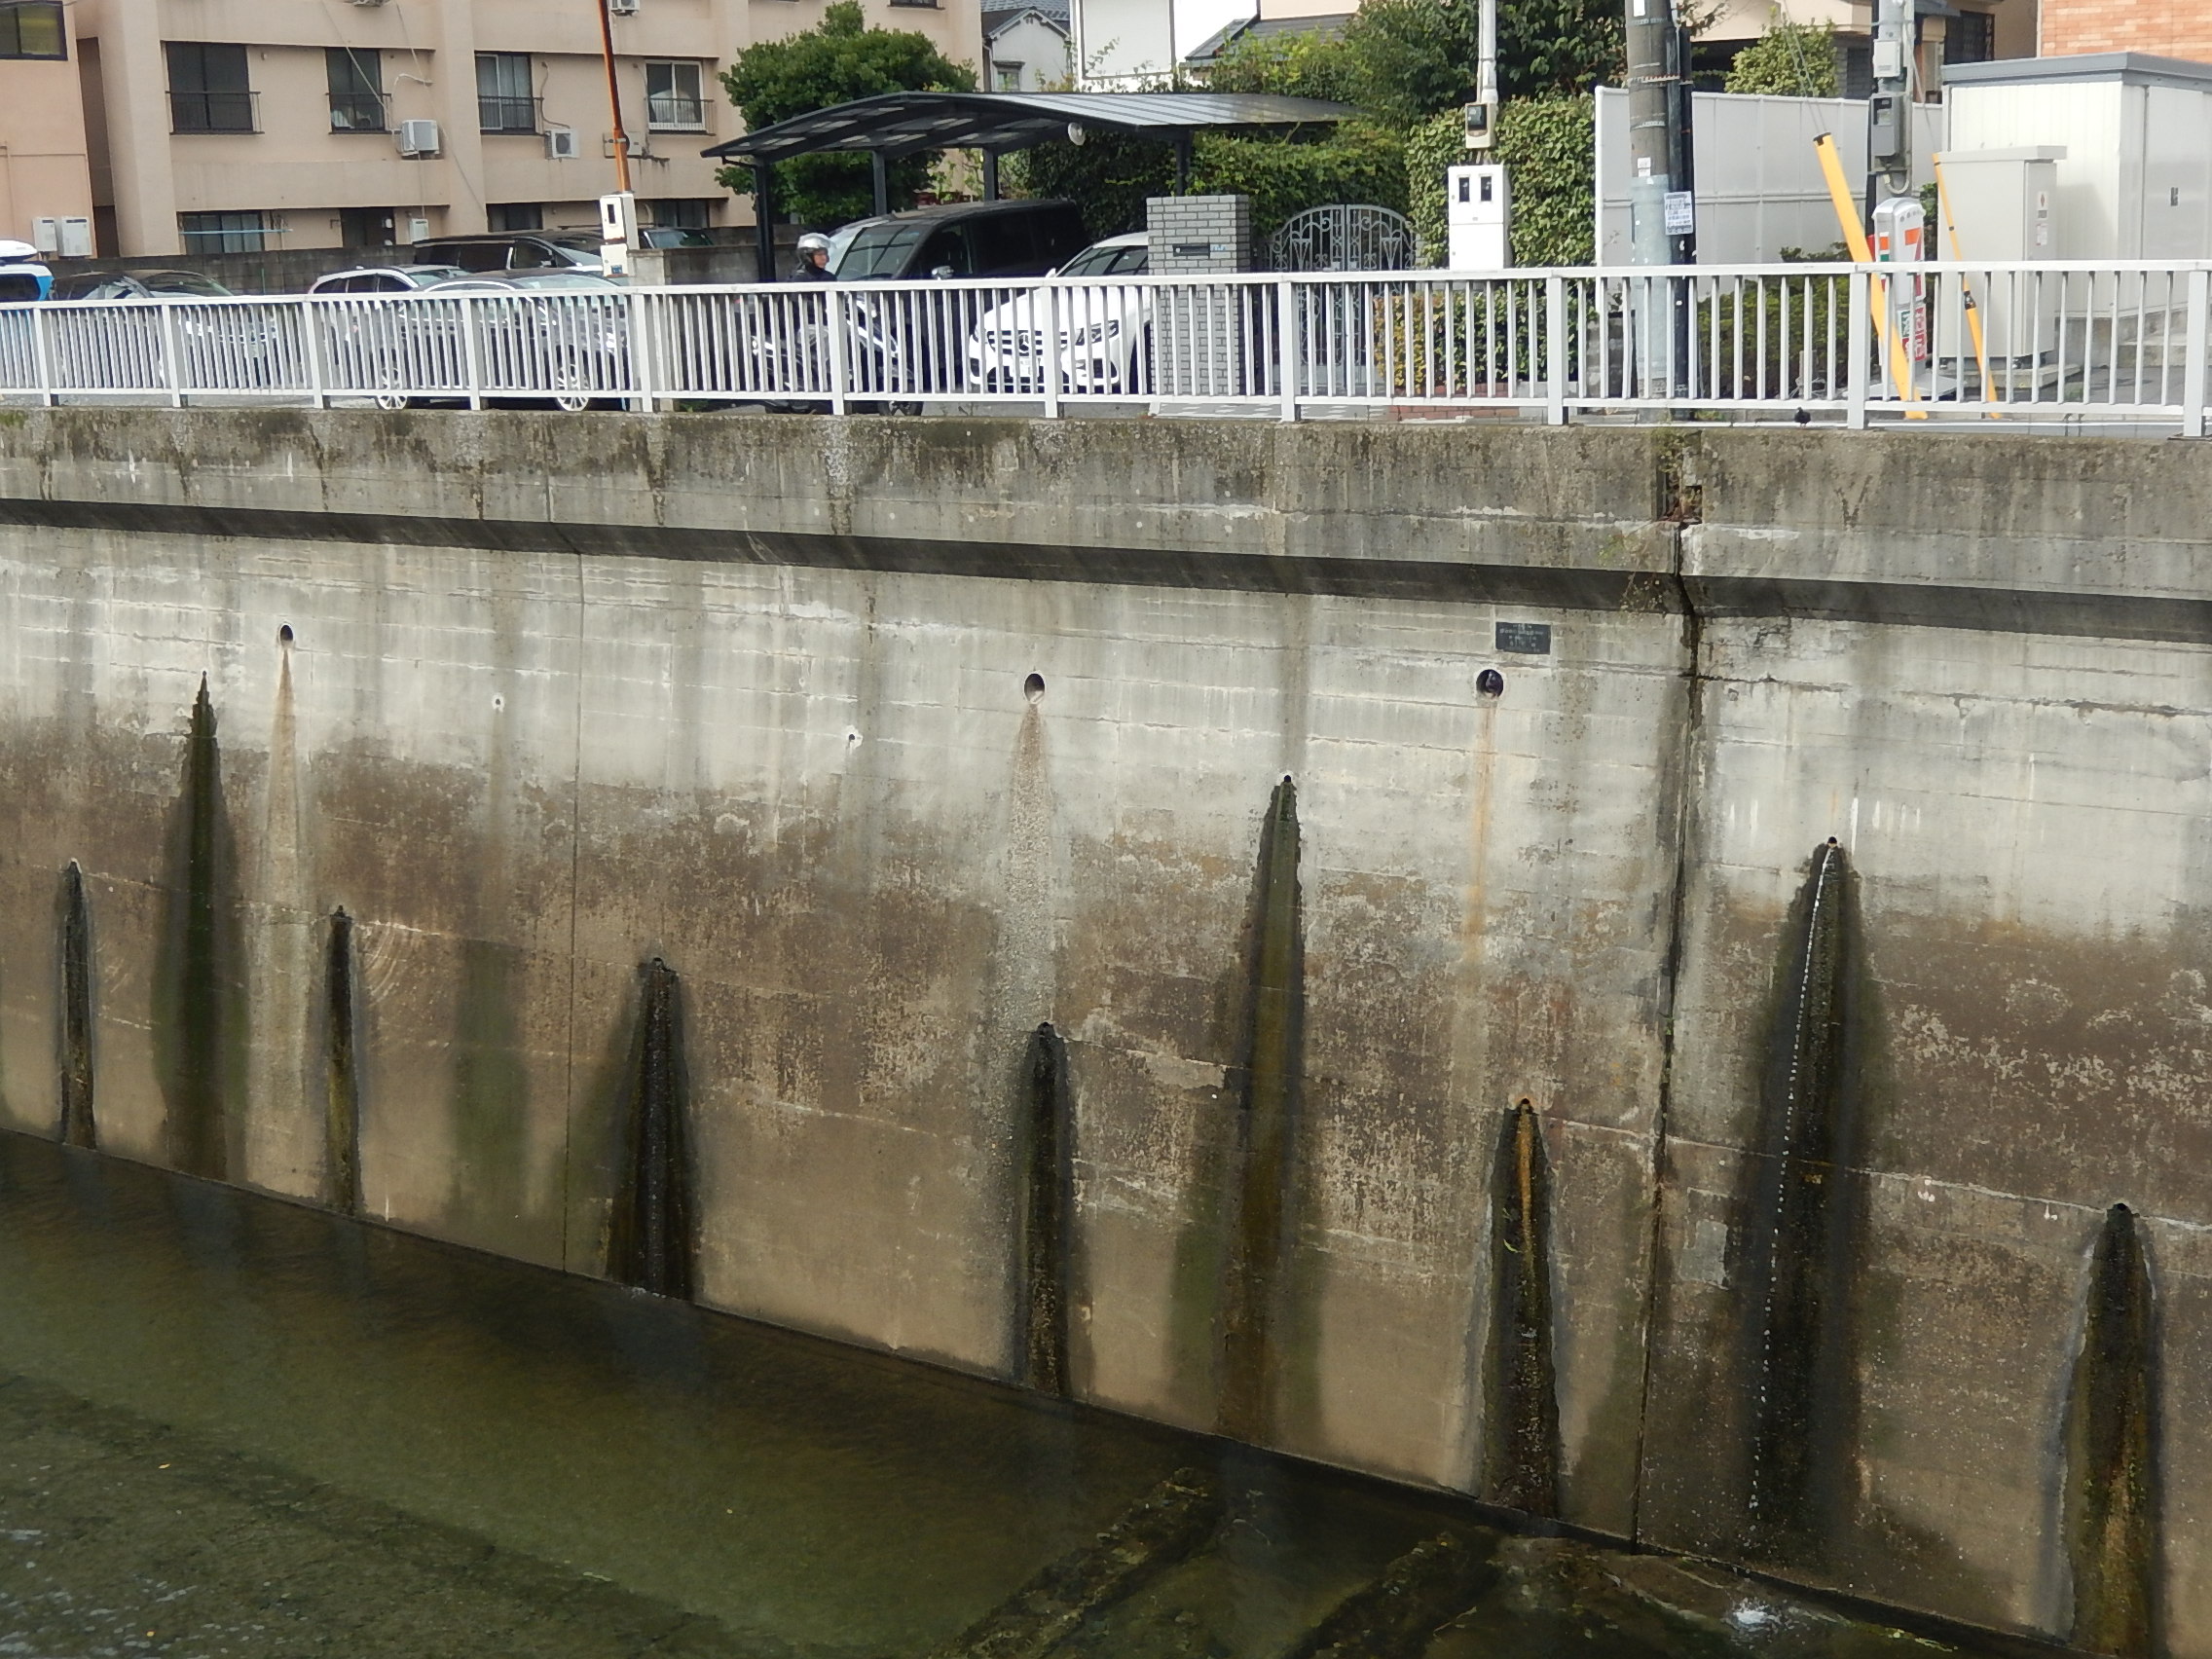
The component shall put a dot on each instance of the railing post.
(840, 349)
(1554, 349)
(1052, 350)
(644, 347)
(310, 331)
(172, 368)
(2193, 379)
(1859, 335)
(41, 348)
(1286, 346)
(471, 351)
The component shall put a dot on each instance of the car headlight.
(1097, 331)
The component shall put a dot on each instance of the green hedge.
(1546, 147)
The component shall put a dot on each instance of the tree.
(1415, 58)
(840, 60)
(1792, 59)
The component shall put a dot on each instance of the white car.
(1105, 342)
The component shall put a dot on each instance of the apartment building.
(45, 163)
(2160, 28)
(1949, 32)
(240, 126)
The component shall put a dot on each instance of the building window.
(674, 102)
(1006, 77)
(227, 233)
(682, 213)
(207, 88)
(357, 90)
(1971, 37)
(515, 216)
(504, 99)
(32, 28)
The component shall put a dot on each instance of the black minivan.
(967, 239)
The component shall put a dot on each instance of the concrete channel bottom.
(230, 1426)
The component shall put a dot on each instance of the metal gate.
(1345, 237)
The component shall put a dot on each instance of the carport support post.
(879, 171)
(990, 175)
(764, 215)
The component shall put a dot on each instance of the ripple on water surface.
(239, 1427)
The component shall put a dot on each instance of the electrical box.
(2005, 206)
(67, 237)
(1479, 124)
(1478, 217)
(617, 231)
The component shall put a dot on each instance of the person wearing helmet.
(814, 258)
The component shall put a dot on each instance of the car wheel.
(904, 408)
(388, 395)
(574, 402)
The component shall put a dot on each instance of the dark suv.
(968, 238)
(497, 251)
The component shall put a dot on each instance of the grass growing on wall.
(1546, 145)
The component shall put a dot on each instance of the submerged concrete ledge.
(1766, 869)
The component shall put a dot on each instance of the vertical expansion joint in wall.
(1670, 473)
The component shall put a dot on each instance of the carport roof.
(901, 123)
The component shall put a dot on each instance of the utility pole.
(613, 95)
(618, 212)
(1662, 187)
(1889, 112)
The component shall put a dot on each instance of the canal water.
(230, 1426)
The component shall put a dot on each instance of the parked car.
(673, 236)
(512, 251)
(385, 279)
(563, 337)
(139, 285)
(1104, 336)
(24, 273)
(968, 238)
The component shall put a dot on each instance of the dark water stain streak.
(2112, 1485)
(76, 1124)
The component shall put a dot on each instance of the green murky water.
(234, 1427)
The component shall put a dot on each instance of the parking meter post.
(1052, 347)
(834, 305)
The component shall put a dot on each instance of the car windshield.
(574, 254)
(185, 282)
(561, 279)
(1104, 262)
(422, 276)
(875, 251)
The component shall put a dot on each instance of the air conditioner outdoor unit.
(561, 143)
(419, 139)
(623, 7)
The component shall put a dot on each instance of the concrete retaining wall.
(755, 696)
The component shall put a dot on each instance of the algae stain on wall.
(77, 1127)
(199, 1000)
(2112, 1477)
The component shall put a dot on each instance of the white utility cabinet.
(2129, 137)
(1478, 217)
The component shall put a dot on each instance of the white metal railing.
(2033, 344)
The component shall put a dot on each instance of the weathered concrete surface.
(561, 695)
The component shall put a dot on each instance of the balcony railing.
(215, 112)
(359, 112)
(506, 114)
(676, 112)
